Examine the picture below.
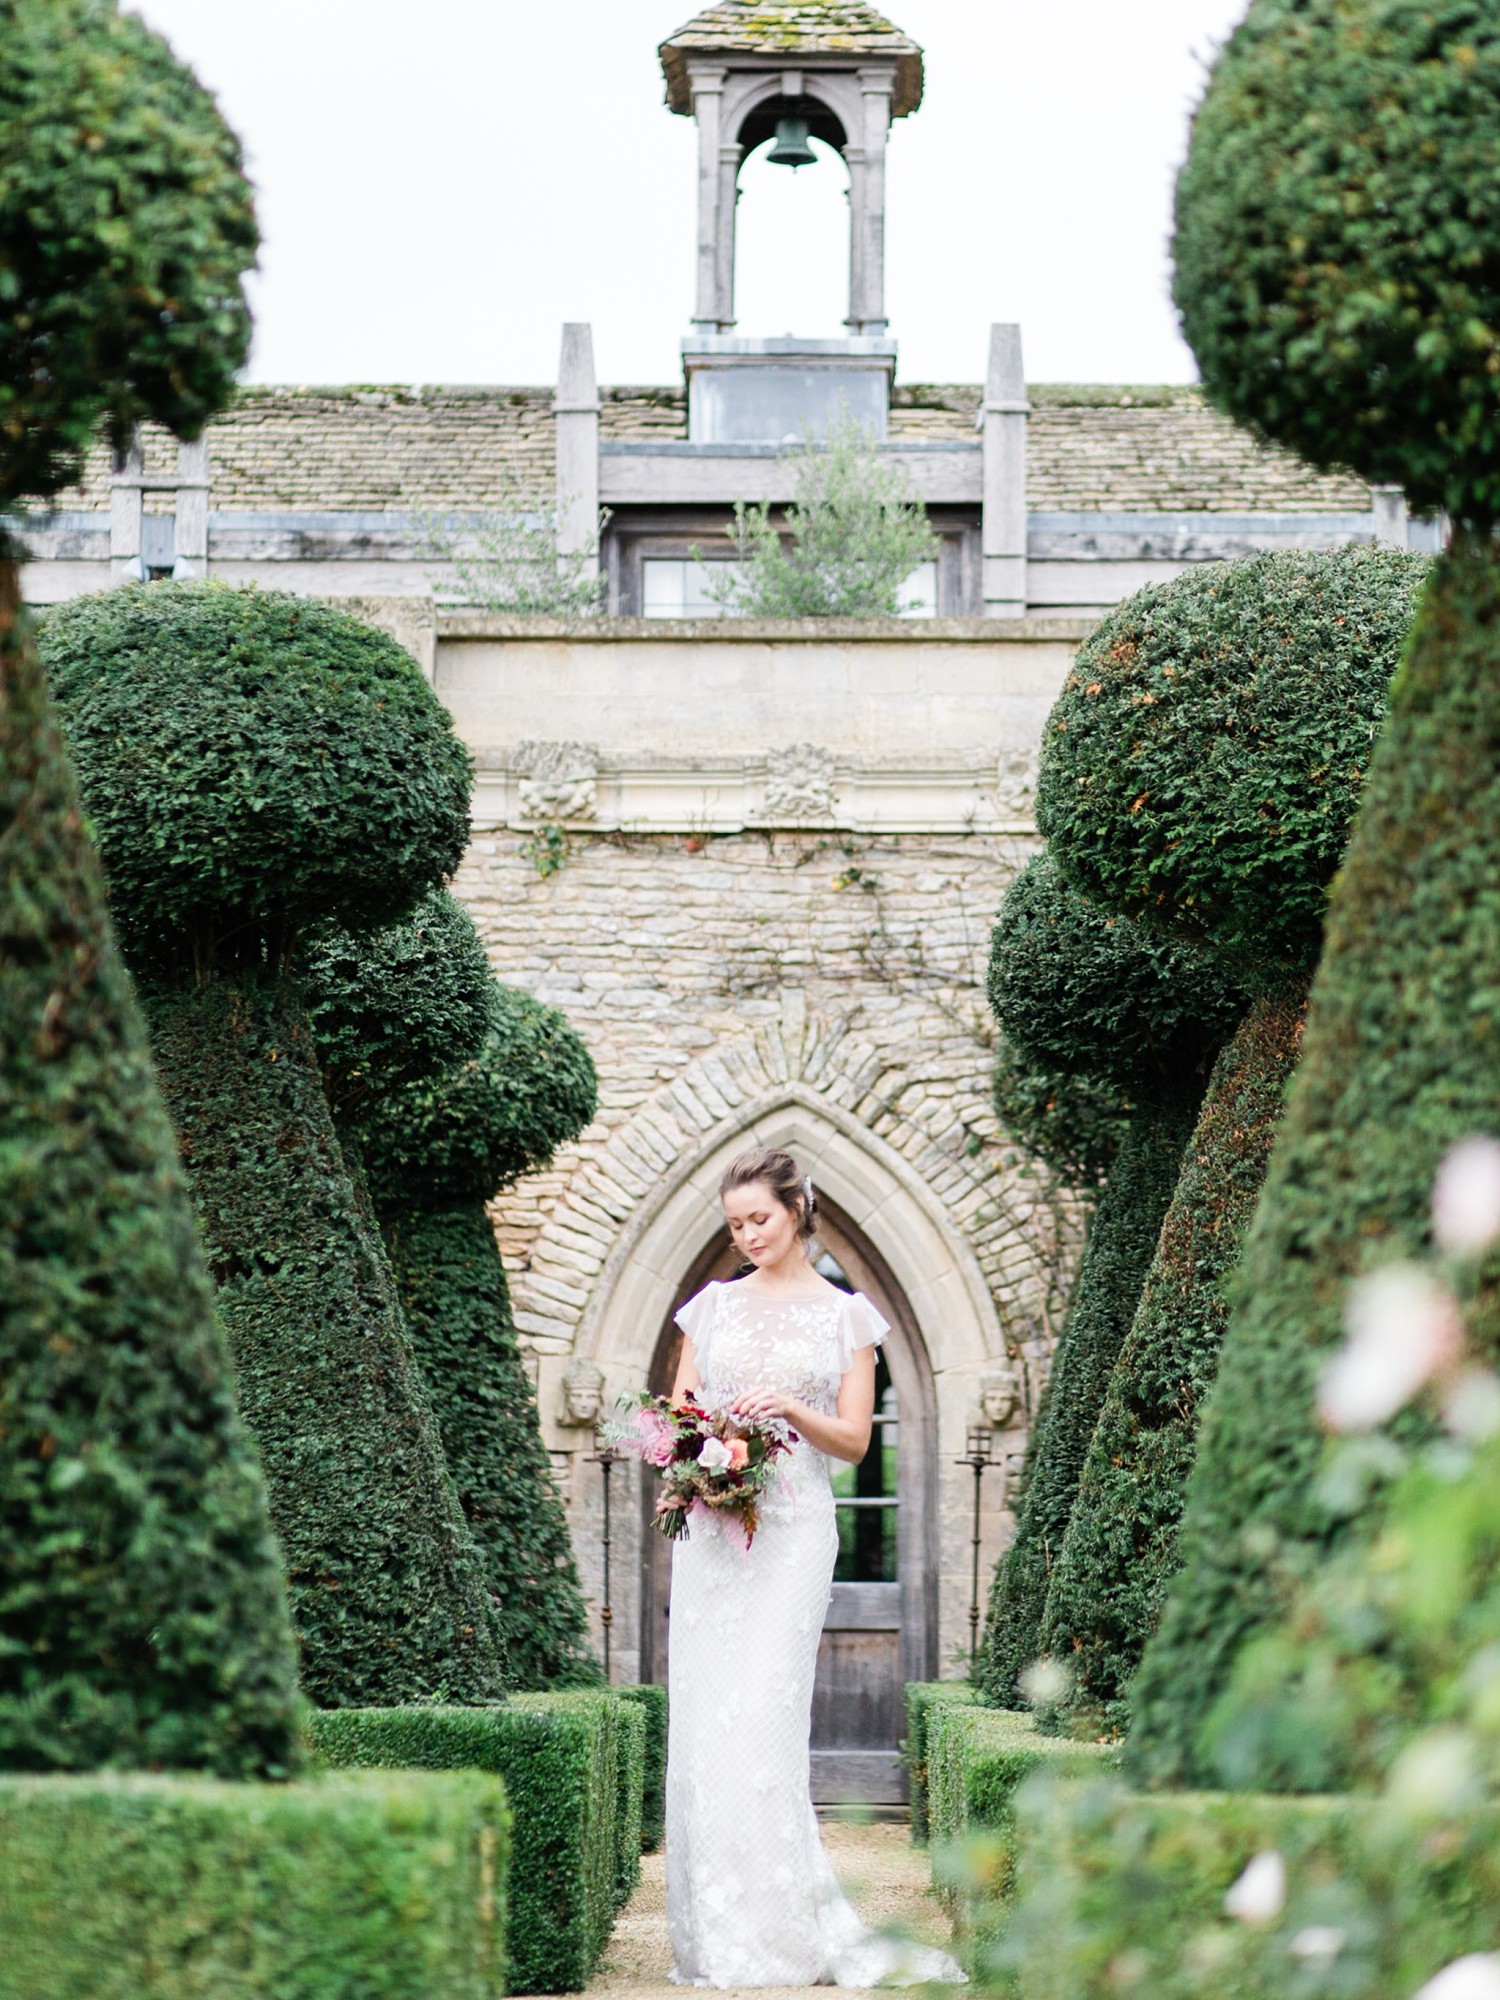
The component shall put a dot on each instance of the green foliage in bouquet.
(1201, 766)
(126, 226)
(1075, 990)
(1340, 188)
(435, 1153)
(1337, 256)
(254, 764)
(143, 1620)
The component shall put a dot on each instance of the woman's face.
(764, 1230)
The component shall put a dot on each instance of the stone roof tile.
(1090, 448)
(792, 28)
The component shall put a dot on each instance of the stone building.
(756, 863)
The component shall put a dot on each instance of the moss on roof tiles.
(792, 27)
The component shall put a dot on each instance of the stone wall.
(818, 986)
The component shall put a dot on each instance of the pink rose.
(658, 1438)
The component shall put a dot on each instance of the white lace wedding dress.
(751, 1895)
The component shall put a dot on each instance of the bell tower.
(793, 70)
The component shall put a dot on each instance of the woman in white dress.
(751, 1896)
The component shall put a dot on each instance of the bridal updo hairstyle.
(786, 1180)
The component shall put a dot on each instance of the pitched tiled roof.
(395, 450)
(793, 28)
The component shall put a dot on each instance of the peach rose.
(739, 1454)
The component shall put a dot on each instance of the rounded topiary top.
(1070, 1123)
(397, 1005)
(1079, 993)
(125, 225)
(1201, 767)
(252, 762)
(462, 1138)
(1337, 242)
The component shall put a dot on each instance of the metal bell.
(791, 148)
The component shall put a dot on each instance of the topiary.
(1337, 250)
(126, 226)
(398, 1005)
(1120, 1548)
(1073, 988)
(1399, 1062)
(1200, 768)
(143, 1620)
(254, 764)
(1073, 1126)
(435, 1153)
(1337, 259)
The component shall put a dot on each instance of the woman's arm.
(686, 1382)
(845, 1436)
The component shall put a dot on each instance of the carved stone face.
(998, 1396)
(582, 1394)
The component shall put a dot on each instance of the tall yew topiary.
(254, 764)
(435, 1153)
(1201, 770)
(143, 1620)
(1077, 992)
(1338, 260)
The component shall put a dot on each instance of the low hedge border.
(977, 1761)
(652, 1701)
(921, 1699)
(1121, 1892)
(572, 1766)
(385, 1884)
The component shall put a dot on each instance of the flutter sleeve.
(696, 1319)
(860, 1325)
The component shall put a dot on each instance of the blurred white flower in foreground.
(1046, 1682)
(1259, 1896)
(1319, 1941)
(1471, 1405)
(1466, 1198)
(1476, 1977)
(1403, 1328)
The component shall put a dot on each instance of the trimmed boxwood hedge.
(143, 1619)
(1116, 1890)
(1201, 767)
(977, 1761)
(434, 1154)
(572, 1764)
(922, 1697)
(255, 764)
(652, 1701)
(1401, 1059)
(1120, 1549)
(1071, 1124)
(1080, 992)
(1337, 260)
(123, 260)
(386, 1885)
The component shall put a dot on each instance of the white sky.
(442, 185)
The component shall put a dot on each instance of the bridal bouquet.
(712, 1464)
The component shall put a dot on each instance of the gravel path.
(883, 1874)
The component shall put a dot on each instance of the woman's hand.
(760, 1406)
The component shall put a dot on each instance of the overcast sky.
(442, 185)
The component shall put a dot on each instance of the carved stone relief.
(799, 783)
(582, 1395)
(558, 781)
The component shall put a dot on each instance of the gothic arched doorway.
(881, 1628)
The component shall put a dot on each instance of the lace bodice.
(800, 1347)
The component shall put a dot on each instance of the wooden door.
(881, 1626)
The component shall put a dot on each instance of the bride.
(751, 1895)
